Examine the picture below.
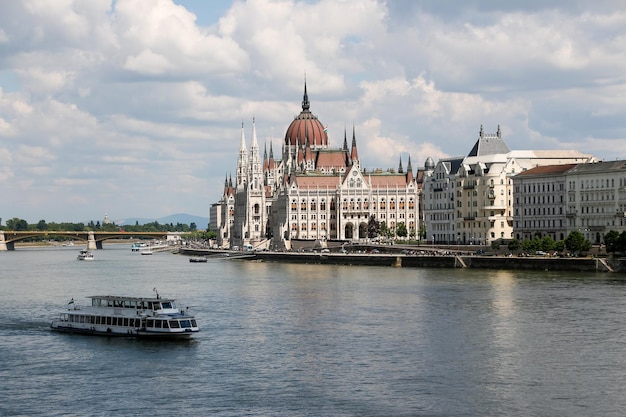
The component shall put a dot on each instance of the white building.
(483, 188)
(314, 193)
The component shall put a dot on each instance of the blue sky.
(133, 108)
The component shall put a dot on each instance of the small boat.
(85, 255)
(146, 252)
(198, 259)
(150, 317)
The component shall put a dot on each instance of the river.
(314, 340)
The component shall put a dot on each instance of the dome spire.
(305, 100)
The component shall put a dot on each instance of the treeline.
(18, 224)
(575, 242)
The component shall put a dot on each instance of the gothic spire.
(305, 100)
(354, 154)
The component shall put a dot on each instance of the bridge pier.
(91, 242)
(3, 243)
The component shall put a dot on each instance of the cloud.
(99, 98)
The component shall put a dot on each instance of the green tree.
(513, 245)
(611, 241)
(547, 244)
(401, 230)
(576, 242)
(373, 227)
(17, 224)
(621, 242)
(383, 229)
(42, 225)
(531, 245)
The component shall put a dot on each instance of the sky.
(134, 108)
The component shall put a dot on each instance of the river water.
(312, 340)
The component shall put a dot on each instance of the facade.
(439, 199)
(314, 193)
(557, 200)
(596, 199)
(540, 202)
(483, 190)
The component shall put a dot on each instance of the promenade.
(402, 260)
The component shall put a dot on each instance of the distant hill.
(182, 218)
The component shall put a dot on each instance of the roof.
(388, 180)
(317, 181)
(122, 298)
(306, 127)
(547, 169)
(599, 167)
(489, 143)
(331, 158)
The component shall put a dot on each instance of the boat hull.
(112, 332)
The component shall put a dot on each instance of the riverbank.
(400, 260)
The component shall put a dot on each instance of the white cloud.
(129, 92)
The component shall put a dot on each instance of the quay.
(402, 260)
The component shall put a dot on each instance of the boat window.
(174, 324)
(92, 319)
(108, 321)
(126, 322)
(81, 319)
(185, 324)
(149, 305)
(157, 306)
(150, 323)
(166, 304)
(193, 323)
(165, 326)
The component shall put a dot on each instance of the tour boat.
(85, 255)
(140, 317)
(198, 259)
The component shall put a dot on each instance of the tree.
(611, 241)
(17, 224)
(621, 242)
(42, 225)
(547, 244)
(373, 228)
(401, 230)
(383, 229)
(513, 245)
(576, 242)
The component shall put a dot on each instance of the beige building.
(557, 200)
(314, 193)
(483, 188)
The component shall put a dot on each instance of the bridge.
(94, 239)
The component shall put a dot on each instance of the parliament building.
(313, 193)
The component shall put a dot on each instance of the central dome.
(306, 127)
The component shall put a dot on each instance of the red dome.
(306, 126)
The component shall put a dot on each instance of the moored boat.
(85, 255)
(198, 259)
(152, 317)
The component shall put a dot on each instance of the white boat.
(85, 255)
(140, 317)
